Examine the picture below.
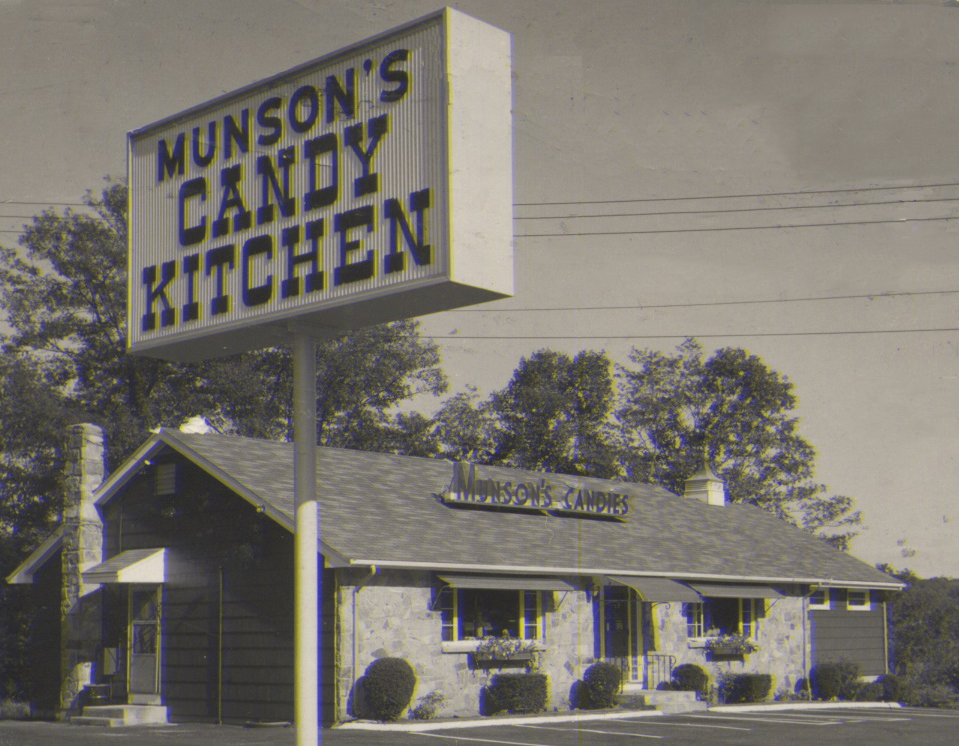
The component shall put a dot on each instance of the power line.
(735, 196)
(580, 234)
(644, 307)
(736, 209)
(560, 337)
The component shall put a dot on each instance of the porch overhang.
(726, 590)
(147, 566)
(657, 590)
(508, 583)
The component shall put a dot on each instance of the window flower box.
(730, 645)
(497, 649)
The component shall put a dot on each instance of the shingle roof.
(384, 509)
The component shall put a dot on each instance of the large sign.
(366, 186)
(471, 487)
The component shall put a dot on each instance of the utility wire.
(736, 196)
(579, 234)
(737, 209)
(644, 307)
(550, 337)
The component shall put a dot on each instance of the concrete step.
(667, 701)
(112, 716)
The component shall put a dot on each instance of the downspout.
(356, 641)
(885, 634)
(219, 650)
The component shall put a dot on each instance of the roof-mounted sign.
(366, 186)
(471, 487)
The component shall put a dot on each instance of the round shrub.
(601, 684)
(835, 680)
(388, 688)
(688, 677)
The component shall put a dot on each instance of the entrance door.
(622, 630)
(144, 645)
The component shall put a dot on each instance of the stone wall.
(783, 642)
(80, 612)
(393, 617)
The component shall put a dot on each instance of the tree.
(736, 413)
(65, 297)
(554, 414)
(466, 429)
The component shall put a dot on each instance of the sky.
(777, 176)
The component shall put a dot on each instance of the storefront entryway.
(143, 644)
(621, 622)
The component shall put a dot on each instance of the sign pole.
(307, 580)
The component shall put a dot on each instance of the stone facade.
(782, 639)
(80, 611)
(389, 614)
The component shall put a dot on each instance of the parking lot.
(796, 727)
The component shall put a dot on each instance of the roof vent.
(706, 486)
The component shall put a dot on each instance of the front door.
(144, 645)
(622, 629)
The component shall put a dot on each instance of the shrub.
(517, 692)
(745, 687)
(892, 687)
(388, 688)
(688, 677)
(872, 691)
(602, 682)
(426, 706)
(835, 680)
(930, 695)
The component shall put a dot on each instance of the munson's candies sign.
(475, 486)
(369, 185)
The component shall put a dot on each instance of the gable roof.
(385, 510)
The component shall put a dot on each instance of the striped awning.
(508, 582)
(657, 590)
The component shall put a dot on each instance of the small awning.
(718, 590)
(657, 590)
(508, 582)
(131, 566)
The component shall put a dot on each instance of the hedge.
(746, 687)
(602, 682)
(517, 692)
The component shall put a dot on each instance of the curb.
(492, 721)
(776, 706)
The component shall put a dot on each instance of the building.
(175, 582)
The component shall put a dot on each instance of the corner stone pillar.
(80, 604)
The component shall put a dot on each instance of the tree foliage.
(554, 414)
(925, 631)
(64, 360)
(734, 411)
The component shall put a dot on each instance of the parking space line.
(758, 719)
(480, 740)
(658, 721)
(589, 730)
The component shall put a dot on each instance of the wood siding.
(857, 636)
(227, 645)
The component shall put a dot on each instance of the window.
(165, 479)
(480, 612)
(724, 616)
(858, 601)
(819, 599)
(694, 619)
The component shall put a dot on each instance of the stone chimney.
(706, 486)
(80, 604)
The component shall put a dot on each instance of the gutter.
(532, 569)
